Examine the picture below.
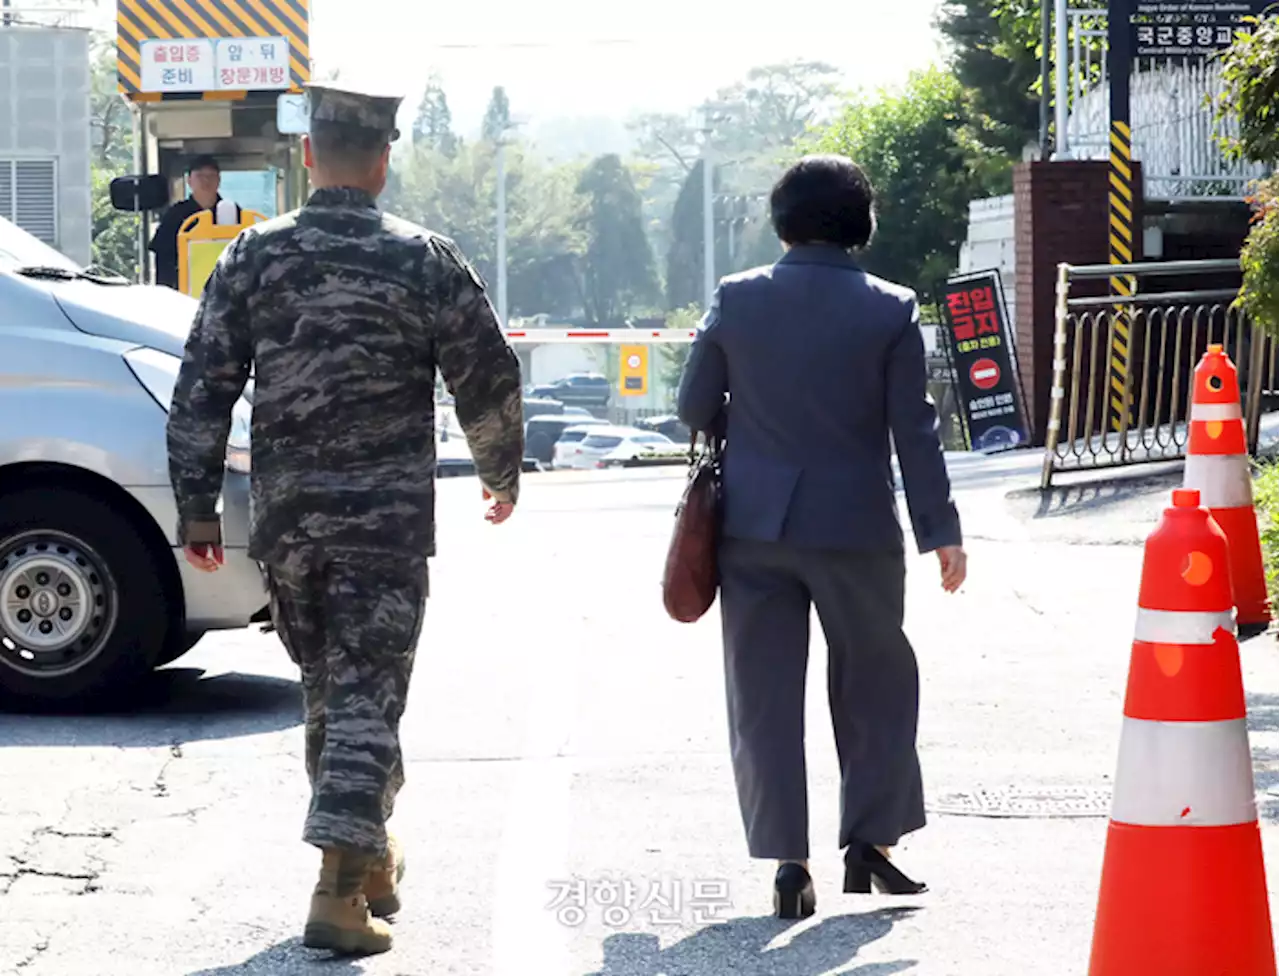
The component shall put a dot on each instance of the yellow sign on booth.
(633, 372)
(200, 244)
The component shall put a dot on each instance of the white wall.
(557, 359)
(990, 244)
(44, 114)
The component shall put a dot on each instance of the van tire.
(105, 567)
(178, 644)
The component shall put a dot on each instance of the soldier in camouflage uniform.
(345, 313)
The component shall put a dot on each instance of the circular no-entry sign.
(984, 374)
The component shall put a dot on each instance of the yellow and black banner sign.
(1123, 286)
(221, 49)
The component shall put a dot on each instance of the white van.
(93, 591)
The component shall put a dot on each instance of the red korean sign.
(982, 351)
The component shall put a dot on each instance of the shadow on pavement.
(289, 957)
(1264, 716)
(1086, 496)
(741, 947)
(175, 704)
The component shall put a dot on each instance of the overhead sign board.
(221, 64)
(178, 66)
(223, 49)
(253, 63)
(982, 351)
(1188, 30)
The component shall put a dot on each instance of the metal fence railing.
(1123, 366)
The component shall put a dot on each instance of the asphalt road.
(561, 728)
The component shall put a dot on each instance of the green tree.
(673, 355)
(433, 126)
(760, 245)
(110, 122)
(774, 105)
(685, 255)
(925, 165)
(758, 119)
(995, 57)
(497, 117)
(1250, 96)
(617, 268)
(114, 234)
(455, 196)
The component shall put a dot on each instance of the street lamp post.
(708, 222)
(502, 229)
(712, 112)
(500, 175)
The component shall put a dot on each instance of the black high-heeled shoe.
(864, 864)
(793, 894)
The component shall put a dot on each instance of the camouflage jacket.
(344, 314)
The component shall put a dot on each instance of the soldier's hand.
(498, 512)
(204, 558)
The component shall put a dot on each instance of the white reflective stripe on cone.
(1215, 411)
(1184, 774)
(1182, 626)
(1222, 480)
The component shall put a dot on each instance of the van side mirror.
(138, 194)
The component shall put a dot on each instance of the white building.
(44, 130)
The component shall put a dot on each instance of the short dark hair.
(203, 162)
(824, 199)
(347, 146)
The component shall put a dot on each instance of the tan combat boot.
(341, 921)
(382, 887)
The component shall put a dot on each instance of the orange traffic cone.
(1184, 889)
(1218, 468)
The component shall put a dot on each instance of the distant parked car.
(617, 444)
(541, 407)
(542, 433)
(589, 390)
(671, 426)
(567, 446)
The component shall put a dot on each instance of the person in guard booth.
(204, 177)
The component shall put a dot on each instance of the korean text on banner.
(222, 64)
(986, 376)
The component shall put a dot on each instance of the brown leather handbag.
(691, 577)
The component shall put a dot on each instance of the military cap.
(354, 108)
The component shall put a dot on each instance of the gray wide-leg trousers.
(766, 591)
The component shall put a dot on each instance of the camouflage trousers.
(351, 623)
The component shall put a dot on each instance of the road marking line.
(534, 851)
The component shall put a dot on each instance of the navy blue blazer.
(821, 362)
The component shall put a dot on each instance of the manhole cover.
(1049, 802)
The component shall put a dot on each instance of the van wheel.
(83, 614)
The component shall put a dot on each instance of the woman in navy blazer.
(810, 366)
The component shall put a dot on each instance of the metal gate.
(1122, 366)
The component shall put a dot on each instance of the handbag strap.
(713, 445)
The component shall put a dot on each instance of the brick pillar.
(1061, 213)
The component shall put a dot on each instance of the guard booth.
(218, 77)
(201, 243)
